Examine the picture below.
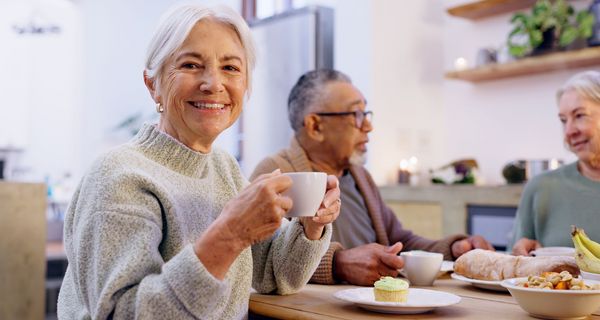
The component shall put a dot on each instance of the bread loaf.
(489, 265)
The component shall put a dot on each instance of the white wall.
(498, 121)
(116, 37)
(395, 51)
(40, 87)
(406, 82)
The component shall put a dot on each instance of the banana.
(585, 258)
(591, 245)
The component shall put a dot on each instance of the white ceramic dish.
(554, 304)
(418, 301)
(553, 251)
(590, 276)
(447, 266)
(483, 284)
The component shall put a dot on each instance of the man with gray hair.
(331, 125)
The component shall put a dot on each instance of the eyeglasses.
(359, 116)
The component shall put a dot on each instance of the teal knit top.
(555, 200)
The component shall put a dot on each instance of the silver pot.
(535, 167)
(519, 171)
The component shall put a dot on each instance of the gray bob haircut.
(307, 92)
(176, 24)
(586, 84)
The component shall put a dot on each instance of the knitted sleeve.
(113, 233)
(284, 264)
(324, 272)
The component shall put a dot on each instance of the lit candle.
(461, 64)
(403, 173)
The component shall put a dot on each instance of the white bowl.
(554, 304)
(590, 276)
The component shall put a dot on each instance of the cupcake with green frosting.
(388, 289)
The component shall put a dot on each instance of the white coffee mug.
(422, 267)
(307, 193)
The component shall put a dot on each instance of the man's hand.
(524, 246)
(460, 247)
(365, 264)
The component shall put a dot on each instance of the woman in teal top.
(554, 201)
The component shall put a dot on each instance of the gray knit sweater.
(129, 232)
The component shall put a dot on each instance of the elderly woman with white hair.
(166, 226)
(570, 195)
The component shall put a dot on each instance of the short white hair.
(586, 84)
(174, 27)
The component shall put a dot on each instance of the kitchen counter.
(441, 210)
(22, 266)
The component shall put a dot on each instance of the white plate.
(447, 266)
(418, 301)
(483, 284)
(553, 251)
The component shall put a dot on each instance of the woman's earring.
(159, 108)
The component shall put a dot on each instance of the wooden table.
(317, 302)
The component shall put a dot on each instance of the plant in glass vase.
(551, 25)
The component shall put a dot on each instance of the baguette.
(489, 265)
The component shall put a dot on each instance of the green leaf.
(536, 38)
(517, 51)
(586, 24)
(549, 23)
(519, 16)
(568, 36)
(515, 31)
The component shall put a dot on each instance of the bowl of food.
(555, 295)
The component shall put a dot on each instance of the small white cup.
(307, 193)
(422, 267)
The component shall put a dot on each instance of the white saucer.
(483, 284)
(418, 301)
(553, 251)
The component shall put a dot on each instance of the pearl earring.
(159, 108)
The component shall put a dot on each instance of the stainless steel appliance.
(519, 171)
(288, 45)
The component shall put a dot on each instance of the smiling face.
(581, 126)
(203, 85)
(346, 142)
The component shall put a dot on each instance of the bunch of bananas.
(587, 251)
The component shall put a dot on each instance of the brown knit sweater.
(388, 228)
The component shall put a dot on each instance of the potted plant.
(551, 25)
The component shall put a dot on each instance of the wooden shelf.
(532, 65)
(487, 8)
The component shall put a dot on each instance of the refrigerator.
(288, 45)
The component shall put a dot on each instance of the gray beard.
(358, 158)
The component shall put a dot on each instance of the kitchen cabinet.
(22, 266)
(423, 218)
(445, 206)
